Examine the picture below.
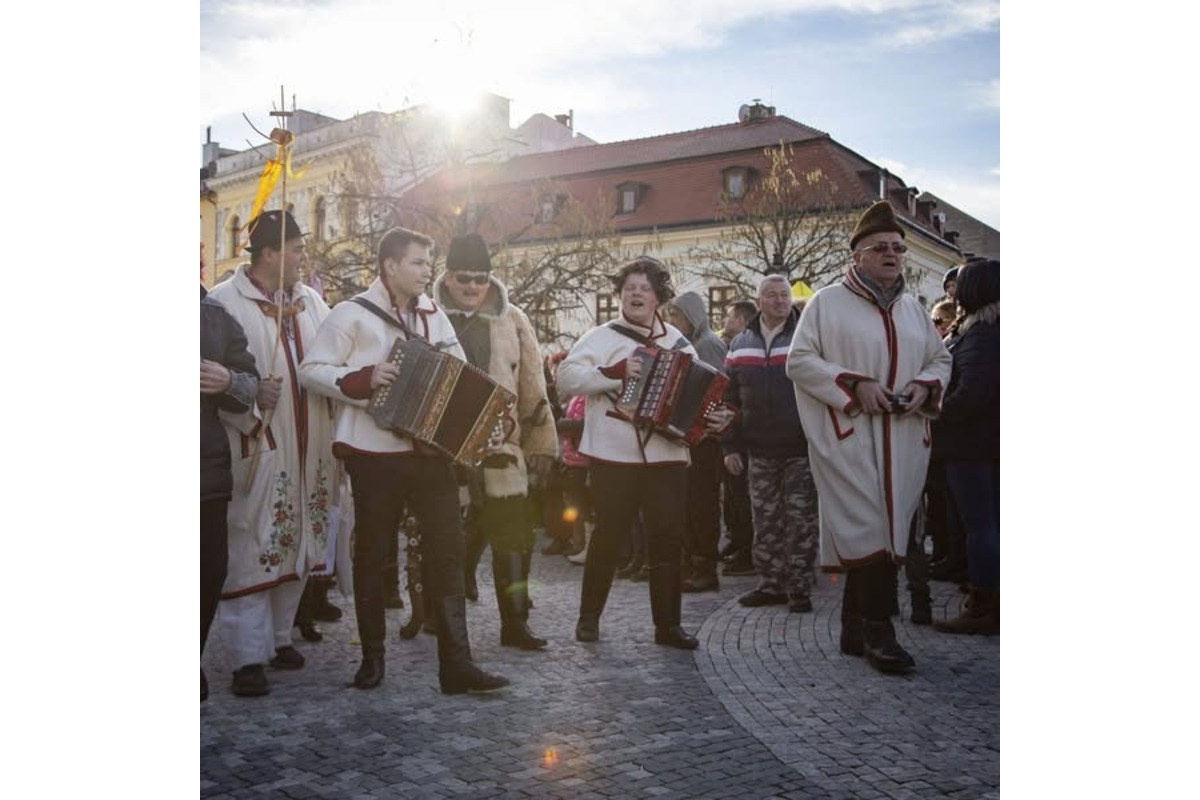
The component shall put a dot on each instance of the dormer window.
(735, 181)
(548, 207)
(629, 196)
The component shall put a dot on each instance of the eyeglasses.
(883, 247)
(939, 321)
(465, 279)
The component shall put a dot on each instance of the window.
(606, 308)
(735, 181)
(235, 232)
(542, 314)
(350, 211)
(547, 208)
(319, 220)
(629, 195)
(720, 298)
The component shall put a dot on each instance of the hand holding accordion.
(443, 402)
(674, 394)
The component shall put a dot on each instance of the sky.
(913, 85)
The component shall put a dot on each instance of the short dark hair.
(655, 272)
(396, 241)
(978, 285)
(744, 309)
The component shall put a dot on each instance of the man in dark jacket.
(782, 494)
(704, 475)
(228, 380)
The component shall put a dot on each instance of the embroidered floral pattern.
(283, 526)
(318, 509)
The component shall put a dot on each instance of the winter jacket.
(222, 340)
(969, 426)
(768, 424)
(708, 345)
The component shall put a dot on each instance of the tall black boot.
(368, 609)
(876, 593)
(323, 610)
(666, 607)
(597, 581)
(304, 612)
(457, 674)
(851, 642)
(512, 598)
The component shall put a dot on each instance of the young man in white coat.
(869, 370)
(387, 471)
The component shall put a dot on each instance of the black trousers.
(704, 501)
(214, 560)
(619, 492)
(738, 518)
(383, 486)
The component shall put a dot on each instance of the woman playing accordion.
(632, 469)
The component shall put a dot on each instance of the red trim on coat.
(935, 394)
(260, 587)
(357, 385)
(837, 429)
(615, 371)
(839, 382)
(888, 496)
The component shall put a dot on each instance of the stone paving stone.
(767, 707)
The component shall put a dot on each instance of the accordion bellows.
(673, 393)
(442, 401)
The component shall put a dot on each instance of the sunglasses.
(465, 279)
(883, 247)
(937, 321)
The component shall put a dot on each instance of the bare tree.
(785, 222)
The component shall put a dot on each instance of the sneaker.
(799, 604)
(759, 598)
(287, 658)
(739, 565)
(250, 681)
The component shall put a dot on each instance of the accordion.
(443, 401)
(672, 394)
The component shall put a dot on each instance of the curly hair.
(655, 272)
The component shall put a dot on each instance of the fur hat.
(468, 253)
(265, 229)
(951, 275)
(879, 218)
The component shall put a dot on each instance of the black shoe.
(740, 564)
(643, 574)
(758, 598)
(515, 633)
(250, 681)
(370, 673)
(557, 547)
(470, 679)
(203, 687)
(587, 629)
(675, 636)
(728, 551)
(701, 581)
(394, 601)
(309, 632)
(287, 658)
(883, 652)
(851, 641)
(327, 612)
(799, 604)
(629, 570)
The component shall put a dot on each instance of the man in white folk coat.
(278, 513)
(869, 370)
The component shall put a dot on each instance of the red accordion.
(672, 394)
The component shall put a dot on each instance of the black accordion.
(443, 402)
(672, 394)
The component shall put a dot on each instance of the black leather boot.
(475, 542)
(851, 642)
(512, 598)
(457, 674)
(704, 577)
(666, 607)
(883, 652)
(323, 610)
(372, 627)
(370, 672)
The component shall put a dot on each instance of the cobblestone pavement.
(767, 707)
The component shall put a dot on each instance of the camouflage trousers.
(783, 502)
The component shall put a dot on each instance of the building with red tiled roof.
(668, 194)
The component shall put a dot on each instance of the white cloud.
(984, 96)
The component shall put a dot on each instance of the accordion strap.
(645, 340)
(386, 317)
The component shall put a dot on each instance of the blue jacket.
(768, 424)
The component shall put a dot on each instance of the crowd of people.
(854, 426)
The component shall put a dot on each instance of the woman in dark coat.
(967, 437)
